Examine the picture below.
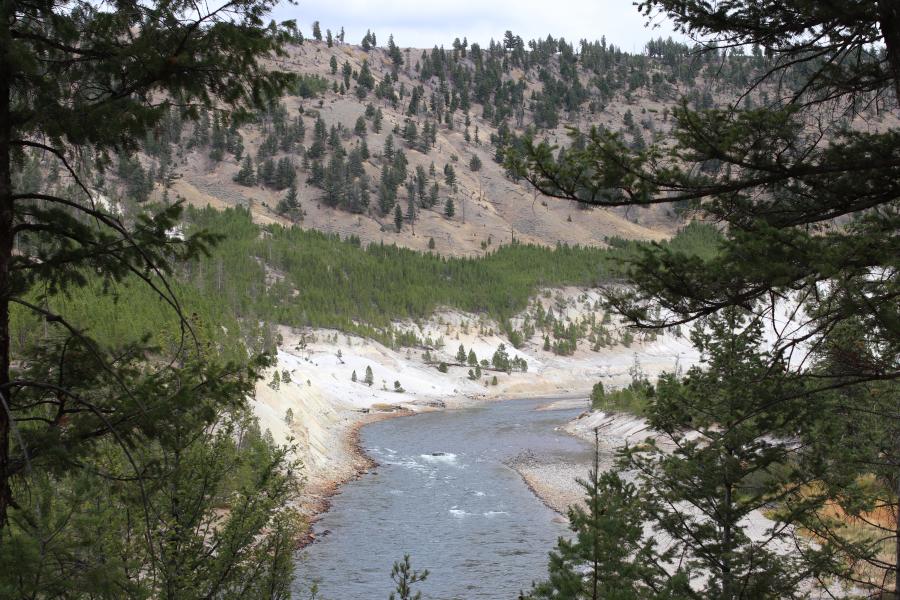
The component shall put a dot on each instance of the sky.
(424, 23)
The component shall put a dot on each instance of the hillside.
(405, 146)
(490, 208)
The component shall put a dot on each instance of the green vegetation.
(130, 463)
(806, 424)
(323, 281)
(634, 399)
(630, 399)
(608, 555)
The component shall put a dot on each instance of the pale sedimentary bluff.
(315, 403)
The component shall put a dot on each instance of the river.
(443, 494)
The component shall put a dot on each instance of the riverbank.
(327, 384)
(555, 482)
(316, 495)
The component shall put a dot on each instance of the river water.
(443, 494)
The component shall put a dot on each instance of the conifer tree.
(360, 128)
(398, 218)
(369, 377)
(365, 79)
(733, 450)
(608, 555)
(217, 141)
(394, 53)
(346, 72)
(102, 445)
(797, 209)
(388, 150)
(449, 175)
(266, 173)
(317, 31)
(289, 206)
(376, 121)
(433, 194)
(405, 577)
(246, 175)
(461, 354)
(449, 208)
(410, 134)
(411, 211)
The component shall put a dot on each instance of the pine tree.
(449, 175)
(246, 175)
(365, 79)
(433, 194)
(722, 419)
(411, 211)
(317, 31)
(289, 206)
(376, 121)
(410, 134)
(266, 173)
(607, 556)
(398, 218)
(388, 150)
(217, 141)
(777, 244)
(346, 72)
(369, 378)
(332, 63)
(94, 476)
(449, 209)
(394, 53)
(285, 174)
(461, 354)
(405, 577)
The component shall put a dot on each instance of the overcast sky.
(426, 23)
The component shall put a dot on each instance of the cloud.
(419, 24)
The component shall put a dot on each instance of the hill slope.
(490, 208)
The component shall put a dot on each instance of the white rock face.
(326, 404)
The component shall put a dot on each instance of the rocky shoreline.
(316, 497)
(555, 482)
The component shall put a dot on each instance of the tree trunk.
(6, 247)
(889, 23)
(897, 543)
(727, 542)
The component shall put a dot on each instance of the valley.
(289, 311)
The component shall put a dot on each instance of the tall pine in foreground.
(808, 192)
(723, 456)
(127, 470)
(608, 557)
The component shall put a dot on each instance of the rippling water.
(443, 494)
